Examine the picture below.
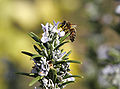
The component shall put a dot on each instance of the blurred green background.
(94, 20)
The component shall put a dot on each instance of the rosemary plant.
(51, 64)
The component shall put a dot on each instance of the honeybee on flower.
(51, 64)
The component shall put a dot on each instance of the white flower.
(55, 30)
(57, 55)
(50, 83)
(61, 33)
(43, 67)
(111, 74)
(69, 79)
(117, 10)
(55, 24)
(102, 52)
(42, 73)
(45, 35)
(49, 32)
(102, 81)
(108, 70)
(45, 28)
(56, 86)
(43, 59)
(92, 10)
(107, 18)
(45, 81)
(45, 38)
(57, 40)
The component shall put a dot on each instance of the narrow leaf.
(45, 53)
(73, 61)
(34, 36)
(63, 84)
(61, 45)
(64, 37)
(52, 74)
(32, 55)
(48, 44)
(79, 76)
(49, 53)
(59, 62)
(68, 61)
(40, 44)
(27, 53)
(35, 80)
(66, 55)
(37, 49)
(35, 56)
(26, 74)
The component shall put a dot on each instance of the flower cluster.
(51, 64)
(50, 31)
(117, 10)
(41, 67)
(110, 76)
(110, 73)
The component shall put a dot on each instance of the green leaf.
(35, 56)
(51, 47)
(62, 50)
(27, 53)
(34, 36)
(48, 45)
(68, 76)
(37, 49)
(49, 53)
(32, 55)
(35, 80)
(61, 45)
(63, 84)
(41, 45)
(53, 75)
(26, 74)
(73, 61)
(54, 37)
(45, 53)
(67, 54)
(114, 53)
(64, 37)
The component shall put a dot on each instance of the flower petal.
(61, 34)
(55, 24)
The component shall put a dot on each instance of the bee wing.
(73, 26)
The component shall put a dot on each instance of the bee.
(69, 28)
